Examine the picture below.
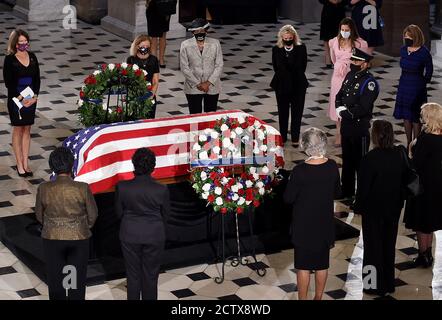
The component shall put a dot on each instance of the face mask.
(345, 34)
(355, 68)
(144, 50)
(408, 42)
(288, 42)
(200, 36)
(23, 47)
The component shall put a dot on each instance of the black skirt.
(24, 117)
(157, 24)
(307, 259)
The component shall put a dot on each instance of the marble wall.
(40, 10)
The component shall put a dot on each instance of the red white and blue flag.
(103, 153)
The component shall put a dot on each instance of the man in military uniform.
(354, 106)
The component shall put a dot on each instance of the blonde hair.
(416, 34)
(288, 29)
(431, 114)
(13, 40)
(136, 43)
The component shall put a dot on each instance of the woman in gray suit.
(201, 62)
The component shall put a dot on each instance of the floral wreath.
(235, 164)
(128, 82)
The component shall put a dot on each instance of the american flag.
(103, 153)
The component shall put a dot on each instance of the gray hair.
(314, 142)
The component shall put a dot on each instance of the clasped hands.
(339, 110)
(204, 86)
(28, 102)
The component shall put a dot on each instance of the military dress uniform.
(354, 105)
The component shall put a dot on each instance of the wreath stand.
(241, 257)
(122, 89)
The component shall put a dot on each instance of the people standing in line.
(341, 49)
(143, 206)
(21, 70)
(140, 54)
(289, 59)
(354, 106)
(417, 70)
(423, 212)
(333, 11)
(371, 30)
(201, 62)
(312, 187)
(158, 21)
(67, 211)
(380, 199)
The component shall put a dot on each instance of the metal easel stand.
(242, 257)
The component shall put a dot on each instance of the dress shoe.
(162, 66)
(429, 256)
(23, 175)
(29, 173)
(421, 261)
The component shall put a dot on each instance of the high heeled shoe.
(23, 175)
(29, 173)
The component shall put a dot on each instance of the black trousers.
(195, 102)
(58, 255)
(379, 236)
(143, 263)
(290, 104)
(353, 149)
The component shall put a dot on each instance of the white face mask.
(345, 34)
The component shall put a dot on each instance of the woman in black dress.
(379, 199)
(332, 14)
(289, 59)
(423, 213)
(140, 55)
(157, 27)
(372, 33)
(21, 70)
(312, 187)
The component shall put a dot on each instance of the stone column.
(90, 11)
(40, 10)
(397, 15)
(306, 11)
(127, 19)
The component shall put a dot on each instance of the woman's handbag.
(166, 7)
(413, 184)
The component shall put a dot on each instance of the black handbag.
(166, 7)
(413, 184)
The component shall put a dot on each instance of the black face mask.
(144, 50)
(408, 42)
(355, 68)
(288, 42)
(200, 36)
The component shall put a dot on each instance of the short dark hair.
(382, 134)
(61, 160)
(144, 161)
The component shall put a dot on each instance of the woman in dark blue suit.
(143, 206)
(417, 70)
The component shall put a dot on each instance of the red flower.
(234, 125)
(103, 66)
(250, 121)
(256, 203)
(211, 198)
(124, 72)
(149, 87)
(239, 210)
(249, 194)
(241, 192)
(119, 110)
(223, 210)
(90, 80)
(118, 65)
(217, 183)
(244, 125)
(213, 175)
(139, 73)
(244, 175)
(82, 94)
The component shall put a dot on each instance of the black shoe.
(421, 261)
(29, 173)
(429, 255)
(162, 66)
(329, 66)
(23, 175)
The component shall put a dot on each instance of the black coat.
(144, 207)
(289, 70)
(331, 16)
(358, 93)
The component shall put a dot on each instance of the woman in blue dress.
(21, 70)
(417, 70)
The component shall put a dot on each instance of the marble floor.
(68, 56)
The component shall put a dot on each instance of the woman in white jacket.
(201, 62)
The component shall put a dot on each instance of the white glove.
(339, 110)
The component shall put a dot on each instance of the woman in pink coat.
(340, 51)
